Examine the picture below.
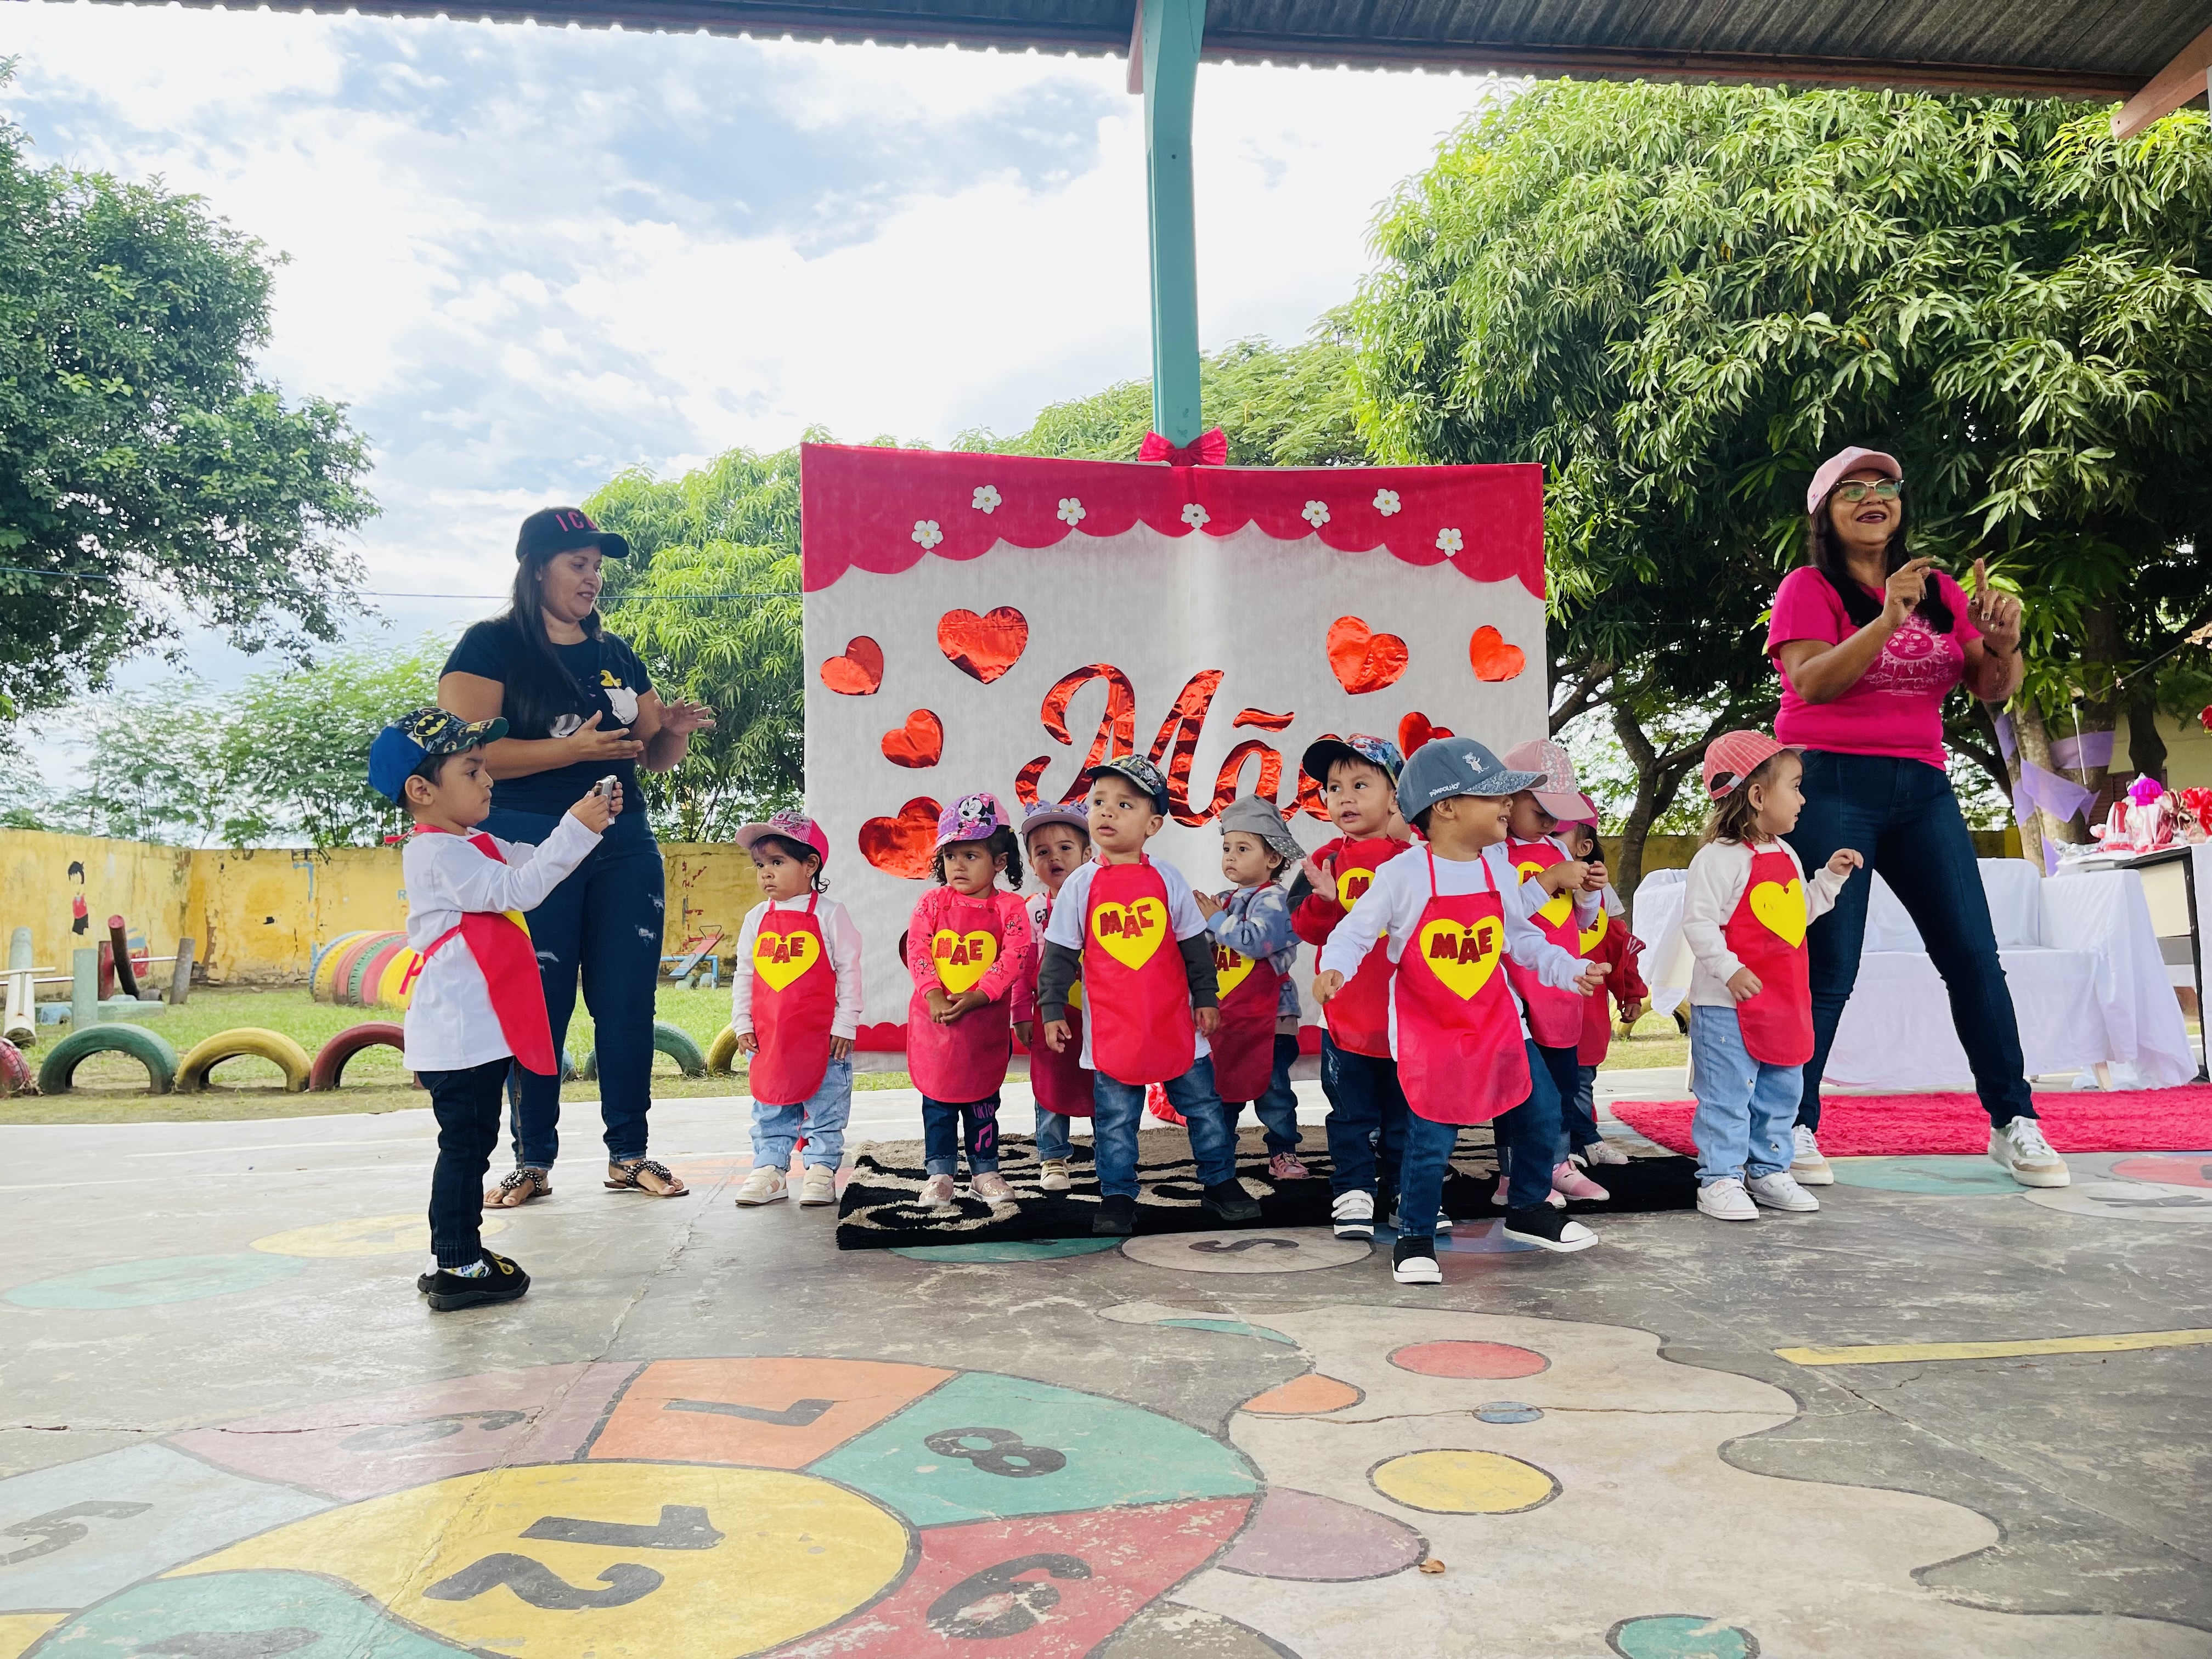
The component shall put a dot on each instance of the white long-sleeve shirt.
(1712, 889)
(1392, 905)
(840, 938)
(1072, 908)
(450, 1025)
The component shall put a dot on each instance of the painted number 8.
(1003, 1452)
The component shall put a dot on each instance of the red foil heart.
(1362, 660)
(1414, 730)
(983, 647)
(1494, 660)
(857, 672)
(919, 743)
(901, 846)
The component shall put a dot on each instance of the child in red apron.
(1745, 906)
(1129, 928)
(1057, 839)
(477, 1008)
(1357, 778)
(1447, 913)
(1605, 940)
(1253, 951)
(795, 1008)
(968, 953)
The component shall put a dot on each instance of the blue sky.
(531, 258)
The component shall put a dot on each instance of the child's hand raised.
(1208, 906)
(1317, 873)
(1743, 985)
(1325, 986)
(1056, 1034)
(1591, 980)
(594, 811)
(1845, 862)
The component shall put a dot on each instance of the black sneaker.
(1229, 1202)
(1547, 1229)
(504, 1282)
(1413, 1262)
(1116, 1217)
(423, 1282)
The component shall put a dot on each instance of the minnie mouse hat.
(972, 817)
(1734, 756)
(786, 826)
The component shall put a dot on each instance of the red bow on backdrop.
(1212, 449)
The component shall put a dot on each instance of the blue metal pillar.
(1168, 36)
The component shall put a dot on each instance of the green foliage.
(147, 474)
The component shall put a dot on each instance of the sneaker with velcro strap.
(1352, 1214)
(1778, 1192)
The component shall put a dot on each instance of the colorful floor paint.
(2169, 1169)
(1949, 1177)
(1914, 1352)
(2129, 1200)
(152, 1282)
(370, 1235)
(1304, 1249)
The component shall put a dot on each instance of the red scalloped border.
(860, 508)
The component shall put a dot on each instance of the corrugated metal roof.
(2072, 47)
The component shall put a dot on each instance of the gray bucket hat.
(1255, 814)
(1444, 767)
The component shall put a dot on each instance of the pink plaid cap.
(1853, 459)
(1558, 793)
(789, 825)
(1734, 756)
(972, 817)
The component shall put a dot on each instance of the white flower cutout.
(1070, 510)
(1316, 514)
(1386, 501)
(927, 532)
(1195, 515)
(987, 498)
(1450, 541)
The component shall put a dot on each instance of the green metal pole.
(1172, 32)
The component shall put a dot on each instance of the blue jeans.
(821, 1118)
(1902, 816)
(1565, 1071)
(1366, 1126)
(1120, 1108)
(1527, 1133)
(1052, 1137)
(1746, 1108)
(942, 1124)
(466, 1104)
(1580, 1114)
(1278, 1109)
(602, 923)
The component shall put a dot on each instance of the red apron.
(1061, 1082)
(1555, 1017)
(967, 1060)
(1460, 1055)
(1767, 934)
(500, 941)
(1244, 1046)
(1135, 990)
(1359, 1015)
(795, 1002)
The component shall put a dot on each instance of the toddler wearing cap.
(795, 1007)
(1056, 836)
(1253, 951)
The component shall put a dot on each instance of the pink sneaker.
(1568, 1181)
(1552, 1198)
(1285, 1166)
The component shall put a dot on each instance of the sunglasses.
(1852, 494)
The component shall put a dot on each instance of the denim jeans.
(1121, 1108)
(602, 923)
(1278, 1109)
(1746, 1108)
(1580, 1114)
(1052, 1136)
(1565, 1071)
(942, 1125)
(1529, 1132)
(1366, 1126)
(1902, 816)
(820, 1119)
(466, 1104)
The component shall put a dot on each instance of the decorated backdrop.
(991, 622)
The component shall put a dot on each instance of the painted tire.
(369, 969)
(722, 1052)
(14, 1070)
(349, 960)
(204, 1056)
(329, 1069)
(326, 965)
(671, 1040)
(150, 1049)
(395, 987)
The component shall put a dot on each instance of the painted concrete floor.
(232, 1430)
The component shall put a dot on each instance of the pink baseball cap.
(1558, 793)
(972, 817)
(1853, 459)
(1734, 756)
(786, 826)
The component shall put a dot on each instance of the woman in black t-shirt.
(579, 709)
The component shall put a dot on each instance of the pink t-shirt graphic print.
(1897, 706)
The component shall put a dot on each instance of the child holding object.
(1149, 1006)
(1057, 839)
(795, 1007)
(478, 1007)
(1745, 908)
(1253, 951)
(968, 950)
(1448, 915)
(1608, 940)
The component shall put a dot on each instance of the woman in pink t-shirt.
(1869, 641)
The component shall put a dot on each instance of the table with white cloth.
(2081, 957)
(2177, 887)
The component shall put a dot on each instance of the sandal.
(517, 1187)
(636, 1174)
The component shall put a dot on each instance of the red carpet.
(1867, 1126)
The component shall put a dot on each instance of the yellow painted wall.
(146, 885)
(710, 885)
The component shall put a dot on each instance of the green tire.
(150, 1049)
(671, 1040)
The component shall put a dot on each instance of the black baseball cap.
(553, 530)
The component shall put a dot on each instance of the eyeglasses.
(1854, 493)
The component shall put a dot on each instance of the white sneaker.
(2021, 1152)
(817, 1187)
(1053, 1176)
(1352, 1214)
(1603, 1151)
(1725, 1199)
(1779, 1192)
(1413, 1262)
(937, 1192)
(1806, 1164)
(762, 1186)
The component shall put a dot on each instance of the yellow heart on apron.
(1351, 883)
(1554, 910)
(1075, 996)
(1130, 933)
(780, 958)
(1781, 909)
(961, 959)
(1463, 957)
(1594, 932)
(1231, 970)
